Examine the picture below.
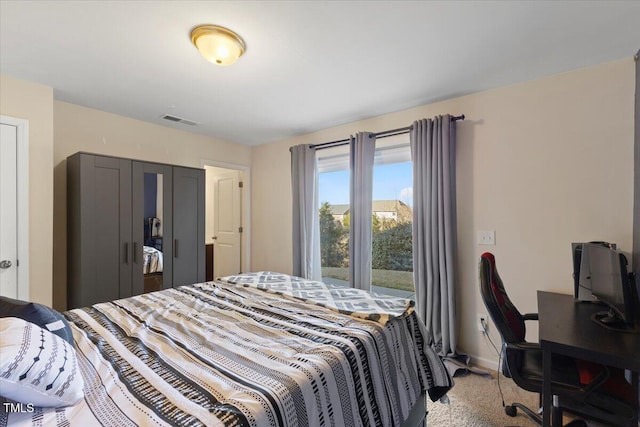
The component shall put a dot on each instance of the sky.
(390, 182)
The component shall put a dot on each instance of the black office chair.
(522, 362)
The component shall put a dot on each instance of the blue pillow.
(41, 315)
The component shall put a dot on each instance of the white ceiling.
(309, 65)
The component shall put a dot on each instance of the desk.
(565, 327)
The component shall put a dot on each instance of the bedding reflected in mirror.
(152, 223)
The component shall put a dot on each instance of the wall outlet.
(487, 237)
(482, 319)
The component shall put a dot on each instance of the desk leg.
(546, 387)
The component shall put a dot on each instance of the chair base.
(512, 411)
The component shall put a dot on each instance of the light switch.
(487, 237)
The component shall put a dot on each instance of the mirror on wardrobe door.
(152, 248)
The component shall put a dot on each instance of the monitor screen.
(609, 279)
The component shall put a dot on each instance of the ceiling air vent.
(179, 120)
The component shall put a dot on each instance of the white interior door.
(8, 211)
(226, 224)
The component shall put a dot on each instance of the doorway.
(225, 224)
(14, 208)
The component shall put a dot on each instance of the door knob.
(5, 263)
(215, 237)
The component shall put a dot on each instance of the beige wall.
(34, 103)
(78, 128)
(543, 163)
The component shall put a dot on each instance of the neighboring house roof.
(387, 205)
(402, 212)
(339, 209)
(402, 209)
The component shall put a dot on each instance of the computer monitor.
(581, 277)
(611, 283)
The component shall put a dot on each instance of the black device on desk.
(581, 276)
(613, 286)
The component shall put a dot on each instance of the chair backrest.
(504, 314)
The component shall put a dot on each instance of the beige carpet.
(475, 401)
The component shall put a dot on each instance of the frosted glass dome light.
(217, 44)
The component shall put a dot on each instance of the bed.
(260, 349)
(152, 268)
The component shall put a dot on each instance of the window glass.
(333, 188)
(392, 263)
(392, 215)
(392, 259)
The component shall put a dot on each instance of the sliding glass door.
(391, 216)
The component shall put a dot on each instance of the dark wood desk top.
(565, 326)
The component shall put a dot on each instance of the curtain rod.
(384, 134)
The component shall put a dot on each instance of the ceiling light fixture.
(217, 44)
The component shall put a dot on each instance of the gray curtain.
(306, 227)
(433, 151)
(636, 180)
(361, 186)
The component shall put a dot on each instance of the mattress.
(232, 354)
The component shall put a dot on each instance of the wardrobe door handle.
(175, 248)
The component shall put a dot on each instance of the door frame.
(22, 154)
(245, 207)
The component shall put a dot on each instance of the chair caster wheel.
(510, 410)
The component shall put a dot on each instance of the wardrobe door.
(100, 246)
(188, 226)
(152, 227)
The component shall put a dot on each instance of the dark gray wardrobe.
(118, 210)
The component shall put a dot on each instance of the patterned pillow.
(41, 315)
(36, 366)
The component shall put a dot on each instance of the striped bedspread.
(351, 301)
(221, 354)
(153, 262)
